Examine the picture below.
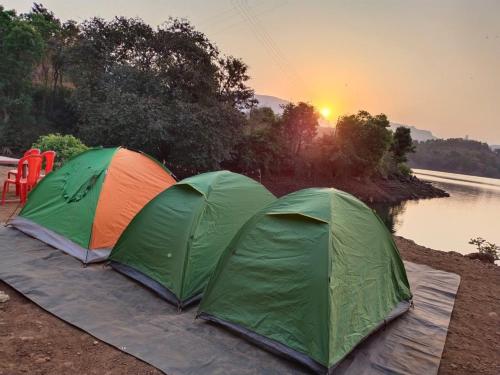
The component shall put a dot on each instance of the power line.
(268, 43)
(225, 15)
(261, 37)
(238, 22)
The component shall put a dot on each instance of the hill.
(419, 135)
(272, 102)
(457, 155)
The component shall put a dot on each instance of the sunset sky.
(432, 64)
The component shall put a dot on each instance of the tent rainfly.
(173, 244)
(309, 277)
(83, 207)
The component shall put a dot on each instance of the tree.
(167, 91)
(49, 73)
(261, 118)
(299, 124)
(33, 100)
(362, 141)
(49, 27)
(325, 156)
(21, 48)
(231, 80)
(260, 147)
(402, 144)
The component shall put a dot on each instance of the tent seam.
(330, 269)
(192, 232)
(98, 198)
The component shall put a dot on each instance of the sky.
(431, 64)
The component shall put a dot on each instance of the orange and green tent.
(83, 207)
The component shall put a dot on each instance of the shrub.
(66, 146)
(404, 169)
(484, 247)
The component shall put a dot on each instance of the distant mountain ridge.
(272, 102)
(417, 134)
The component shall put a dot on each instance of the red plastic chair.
(32, 151)
(13, 172)
(49, 157)
(29, 182)
(27, 174)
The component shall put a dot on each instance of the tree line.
(170, 92)
(457, 155)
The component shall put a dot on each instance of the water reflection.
(472, 210)
(390, 214)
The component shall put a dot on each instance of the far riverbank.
(378, 190)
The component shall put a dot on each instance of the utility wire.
(259, 31)
(237, 20)
(226, 15)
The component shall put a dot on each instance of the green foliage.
(484, 247)
(402, 144)
(66, 146)
(362, 141)
(259, 147)
(33, 100)
(404, 170)
(457, 155)
(273, 143)
(299, 124)
(167, 91)
(202, 137)
(362, 145)
(21, 47)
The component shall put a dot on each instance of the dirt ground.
(33, 341)
(473, 341)
(9, 209)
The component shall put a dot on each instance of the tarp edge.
(53, 239)
(287, 352)
(154, 285)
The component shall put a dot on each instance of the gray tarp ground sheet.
(124, 314)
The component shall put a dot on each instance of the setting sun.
(325, 112)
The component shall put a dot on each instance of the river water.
(472, 210)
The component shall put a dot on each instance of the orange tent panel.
(132, 180)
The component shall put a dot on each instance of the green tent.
(175, 241)
(309, 277)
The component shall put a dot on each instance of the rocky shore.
(378, 190)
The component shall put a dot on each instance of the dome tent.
(83, 207)
(173, 244)
(309, 277)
